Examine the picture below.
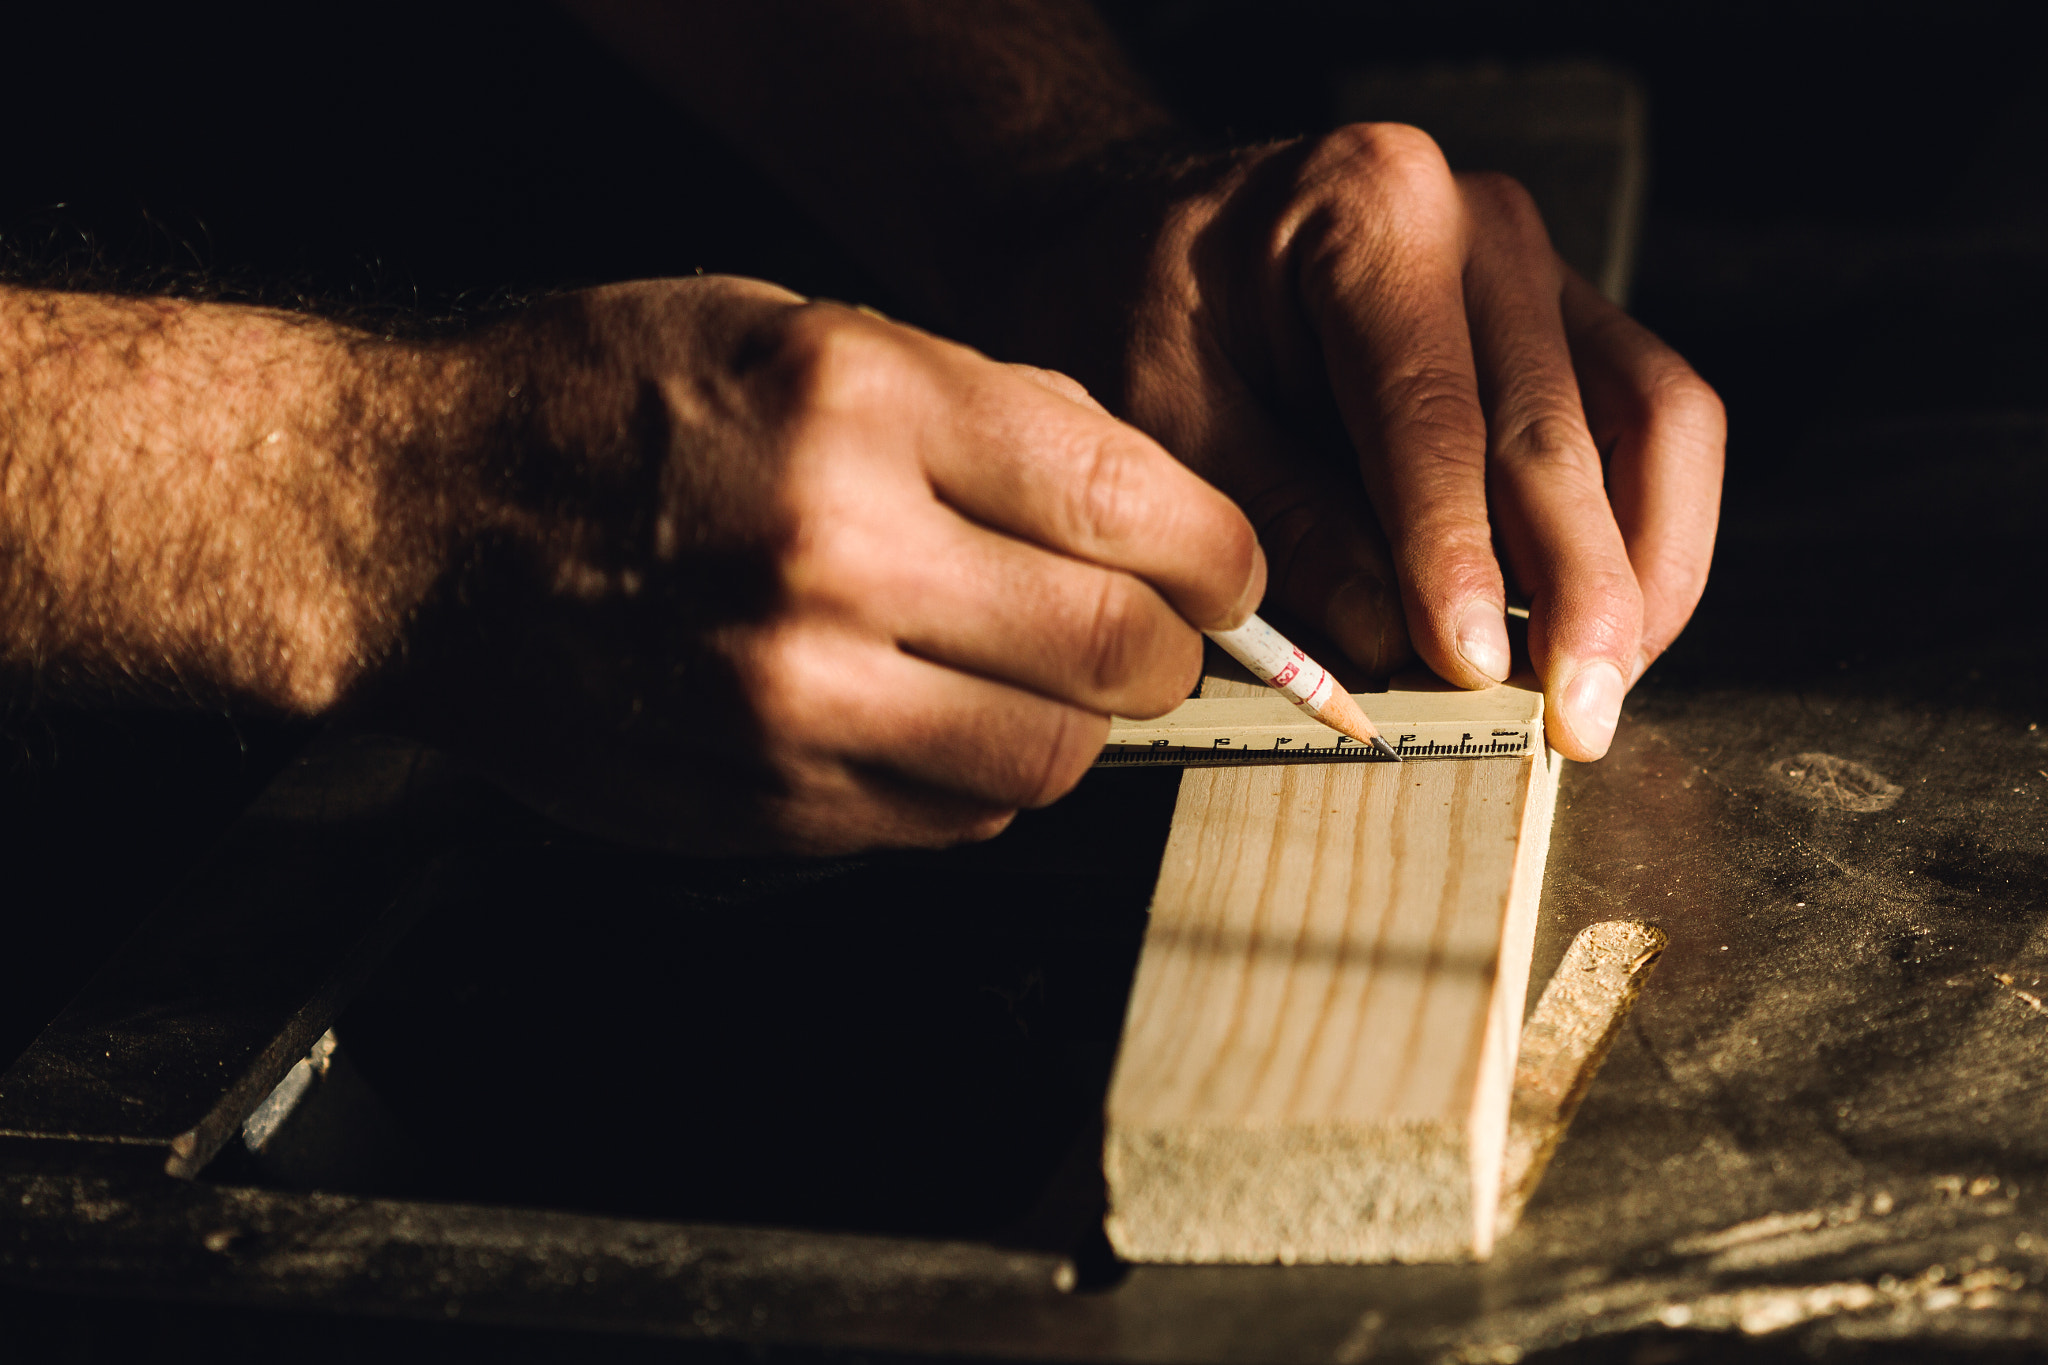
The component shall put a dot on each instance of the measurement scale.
(1496, 722)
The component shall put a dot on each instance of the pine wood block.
(1320, 1046)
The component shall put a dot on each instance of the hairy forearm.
(935, 138)
(214, 502)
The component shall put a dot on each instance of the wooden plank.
(1321, 1039)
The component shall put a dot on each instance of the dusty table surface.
(1821, 1128)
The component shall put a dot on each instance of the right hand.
(1416, 400)
(746, 572)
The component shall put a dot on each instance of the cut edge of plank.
(1492, 1102)
(1201, 1194)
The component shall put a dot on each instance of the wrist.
(419, 426)
(523, 494)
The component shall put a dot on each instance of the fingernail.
(1592, 704)
(1483, 640)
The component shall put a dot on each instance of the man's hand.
(1385, 364)
(692, 563)
(1393, 373)
(798, 576)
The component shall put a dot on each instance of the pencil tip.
(1343, 715)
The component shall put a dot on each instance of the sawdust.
(2027, 998)
(1697, 1297)
(1765, 1309)
(1838, 783)
(1782, 1238)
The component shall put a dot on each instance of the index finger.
(1383, 284)
(1059, 471)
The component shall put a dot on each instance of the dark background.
(1848, 229)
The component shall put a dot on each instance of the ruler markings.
(1501, 722)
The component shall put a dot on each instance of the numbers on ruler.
(1499, 742)
(1282, 748)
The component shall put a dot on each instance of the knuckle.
(1549, 440)
(1689, 402)
(826, 361)
(1232, 549)
(1505, 199)
(1438, 411)
(1061, 383)
(846, 566)
(772, 682)
(1139, 660)
(1103, 499)
(796, 680)
(1381, 150)
(1070, 745)
(1112, 642)
(1370, 193)
(1450, 416)
(978, 828)
(936, 823)
(1171, 683)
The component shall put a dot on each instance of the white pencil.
(1280, 664)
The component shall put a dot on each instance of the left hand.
(1390, 369)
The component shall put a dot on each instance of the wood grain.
(1321, 1038)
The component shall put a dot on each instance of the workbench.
(597, 1098)
(1823, 1122)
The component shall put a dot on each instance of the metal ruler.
(1499, 722)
